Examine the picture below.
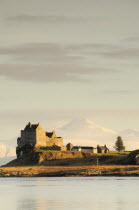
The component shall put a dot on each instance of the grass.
(71, 158)
(117, 153)
(99, 154)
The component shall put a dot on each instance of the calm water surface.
(94, 193)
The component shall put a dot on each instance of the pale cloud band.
(50, 73)
(28, 18)
(51, 62)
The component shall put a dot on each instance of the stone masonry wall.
(40, 138)
(54, 141)
(27, 138)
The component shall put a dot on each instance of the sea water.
(66, 193)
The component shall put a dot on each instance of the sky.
(62, 59)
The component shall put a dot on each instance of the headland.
(41, 153)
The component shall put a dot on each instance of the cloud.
(34, 48)
(50, 62)
(121, 92)
(50, 72)
(40, 51)
(54, 52)
(122, 53)
(132, 38)
(52, 48)
(105, 49)
(90, 46)
(48, 18)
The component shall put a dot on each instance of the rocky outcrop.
(134, 157)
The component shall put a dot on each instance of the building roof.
(83, 147)
(88, 147)
(102, 147)
(76, 147)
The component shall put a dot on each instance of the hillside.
(52, 164)
(69, 158)
(79, 132)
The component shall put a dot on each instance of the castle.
(34, 136)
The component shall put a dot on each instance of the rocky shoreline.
(77, 171)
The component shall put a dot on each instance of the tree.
(119, 145)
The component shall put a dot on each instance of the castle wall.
(27, 138)
(34, 135)
(44, 141)
(64, 148)
(40, 138)
(54, 141)
(52, 148)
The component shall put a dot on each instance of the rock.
(134, 157)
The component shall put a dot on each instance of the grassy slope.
(58, 158)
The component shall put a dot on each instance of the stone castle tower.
(33, 134)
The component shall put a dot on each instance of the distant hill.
(86, 132)
(7, 152)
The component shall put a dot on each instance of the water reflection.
(92, 193)
(27, 204)
(39, 204)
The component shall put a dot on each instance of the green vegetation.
(117, 153)
(119, 145)
(70, 158)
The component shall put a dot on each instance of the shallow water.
(65, 193)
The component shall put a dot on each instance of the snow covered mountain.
(86, 132)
